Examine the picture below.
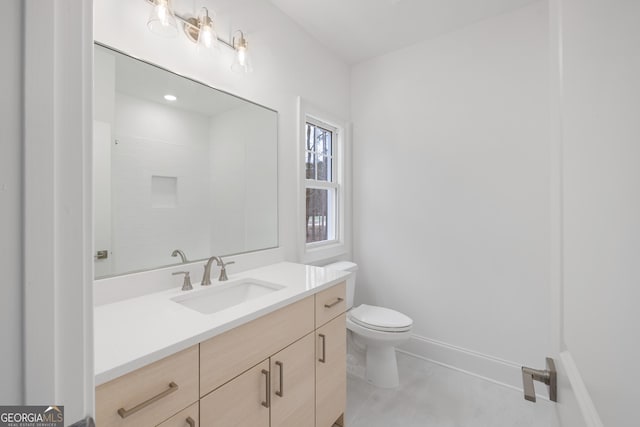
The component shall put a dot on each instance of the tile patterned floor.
(431, 395)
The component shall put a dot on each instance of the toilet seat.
(380, 318)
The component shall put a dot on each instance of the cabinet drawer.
(189, 417)
(228, 355)
(330, 303)
(151, 394)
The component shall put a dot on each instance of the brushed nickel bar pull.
(124, 413)
(191, 422)
(336, 302)
(323, 358)
(281, 391)
(267, 403)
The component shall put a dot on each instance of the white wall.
(601, 189)
(57, 239)
(287, 63)
(451, 191)
(11, 212)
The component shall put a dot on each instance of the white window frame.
(317, 251)
(332, 184)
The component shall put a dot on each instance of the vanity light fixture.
(207, 37)
(242, 61)
(200, 30)
(162, 20)
(170, 97)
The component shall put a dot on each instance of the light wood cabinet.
(331, 367)
(285, 369)
(293, 385)
(189, 417)
(227, 355)
(151, 394)
(243, 402)
(330, 303)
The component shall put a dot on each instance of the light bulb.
(162, 21)
(242, 56)
(207, 37)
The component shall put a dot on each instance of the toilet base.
(382, 366)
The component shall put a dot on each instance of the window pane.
(320, 215)
(310, 163)
(323, 167)
(328, 166)
(323, 141)
(328, 139)
(321, 136)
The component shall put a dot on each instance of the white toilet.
(379, 329)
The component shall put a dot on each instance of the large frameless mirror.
(177, 165)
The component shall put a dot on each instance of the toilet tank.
(351, 281)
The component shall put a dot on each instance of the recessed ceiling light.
(170, 97)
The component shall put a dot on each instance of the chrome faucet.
(182, 255)
(206, 277)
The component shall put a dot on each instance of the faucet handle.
(223, 271)
(186, 284)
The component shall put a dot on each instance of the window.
(321, 182)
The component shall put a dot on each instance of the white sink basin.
(220, 297)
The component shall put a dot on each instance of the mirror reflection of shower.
(177, 164)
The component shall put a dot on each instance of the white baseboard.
(490, 368)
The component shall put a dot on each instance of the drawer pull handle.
(191, 422)
(281, 391)
(333, 304)
(323, 358)
(124, 413)
(267, 403)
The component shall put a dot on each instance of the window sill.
(315, 252)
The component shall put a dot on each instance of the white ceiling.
(360, 29)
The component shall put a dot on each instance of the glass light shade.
(162, 21)
(207, 37)
(242, 61)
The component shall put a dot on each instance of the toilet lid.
(380, 318)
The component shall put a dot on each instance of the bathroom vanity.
(275, 359)
(265, 348)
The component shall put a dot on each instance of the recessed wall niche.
(164, 191)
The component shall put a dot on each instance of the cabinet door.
(293, 385)
(331, 371)
(242, 402)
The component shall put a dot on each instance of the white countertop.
(132, 333)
